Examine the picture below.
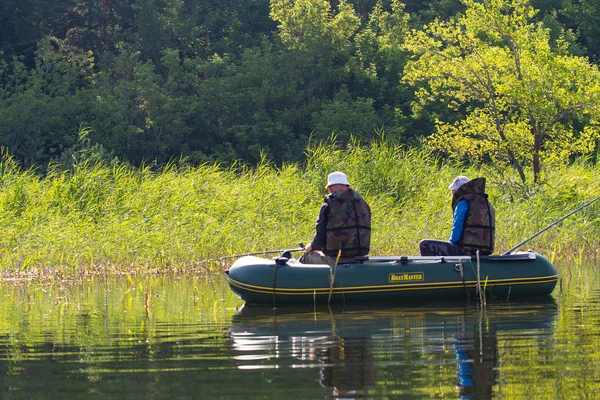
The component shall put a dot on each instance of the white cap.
(458, 182)
(337, 178)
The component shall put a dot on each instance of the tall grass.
(100, 217)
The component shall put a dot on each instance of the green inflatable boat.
(391, 279)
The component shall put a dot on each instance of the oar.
(549, 226)
(250, 254)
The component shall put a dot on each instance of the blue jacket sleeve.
(318, 242)
(460, 215)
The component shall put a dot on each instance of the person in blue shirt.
(473, 223)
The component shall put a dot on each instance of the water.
(150, 337)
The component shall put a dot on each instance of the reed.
(100, 218)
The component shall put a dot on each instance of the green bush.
(113, 217)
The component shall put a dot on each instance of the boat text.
(406, 277)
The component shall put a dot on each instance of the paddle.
(549, 226)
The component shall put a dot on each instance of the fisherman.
(344, 223)
(473, 226)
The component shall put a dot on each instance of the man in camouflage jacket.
(343, 226)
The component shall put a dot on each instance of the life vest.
(479, 229)
(348, 225)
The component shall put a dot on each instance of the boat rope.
(332, 275)
(459, 268)
(481, 293)
(274, 285)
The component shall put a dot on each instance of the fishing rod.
(280, 251)
(549, 226)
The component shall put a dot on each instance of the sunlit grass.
(99, 218)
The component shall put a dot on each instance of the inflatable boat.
(368, 279)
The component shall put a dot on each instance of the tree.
(585, 14)
(378, 67)
(42, 108)
(525, 103)
(24, 22)
(349, 67)
(346, 117)
(312, 26)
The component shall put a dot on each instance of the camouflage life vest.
(480, 224)
(348, 225)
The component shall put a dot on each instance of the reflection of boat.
(362, 320)
(356, 347)
(390, 279)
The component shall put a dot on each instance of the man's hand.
(308, 248)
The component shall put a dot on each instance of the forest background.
(156, 133)
(216, 80)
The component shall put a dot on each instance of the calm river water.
(156, 338)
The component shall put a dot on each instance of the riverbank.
(108, 219)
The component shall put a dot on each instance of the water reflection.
(348, 367)
(185, 338)
(128, 337)
(364, 352)
(477, 364)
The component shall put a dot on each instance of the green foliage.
(84, 152)
(582, 16)
(157, 80)
(526, 104)
(42, 107)
(345, 117)
(114, 217)
(312, 28)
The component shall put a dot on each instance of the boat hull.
(378, 279)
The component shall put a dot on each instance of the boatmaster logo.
(406, 277)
